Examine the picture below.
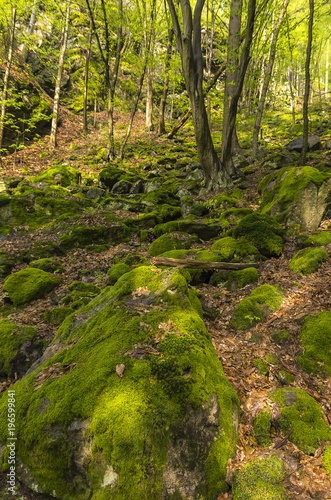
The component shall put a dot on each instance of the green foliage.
(29, 284)
(307, 261)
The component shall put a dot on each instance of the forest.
(165, 242)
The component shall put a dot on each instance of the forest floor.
(306, 478)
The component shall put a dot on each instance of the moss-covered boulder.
(304, 416)
(18, 348)
(203, 231)
(235, 279)
(263, 232)
(110, 175)
(57, 315)
(49, 265)
(297, 196)
(29, 284)
(262, 426)
(131, 405)
(161, 196)
(59, 174)
(260, 480)
(307, 261)
(259, 304)
(83, 236)
(315, 339)
(327, 459)
(314, 240)
(171, 241)
(233, 216)
(7, 262)
(116, 271)
(230, 249)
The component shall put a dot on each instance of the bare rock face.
(297, 196)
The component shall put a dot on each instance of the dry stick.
(191, 263)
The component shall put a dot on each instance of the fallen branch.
(191, 263)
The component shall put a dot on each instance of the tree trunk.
(307, 84)
(209, 44)
(7, 73)
(291, 75)
(86, 74)
(232, 114)
(327, 71)
(267, 77)
(149, 102)
(33, 17)
(52, 139)
(161, 127)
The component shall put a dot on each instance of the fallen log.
(197, 264)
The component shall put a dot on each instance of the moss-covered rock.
(116, 271)
(296, 196)
(261, 366)
(199, 209)
(203, 231)
(235, 279)
(230, 249)
(110, 175)
(7, 262)
(315, 338)
(262, 426)
(130, 403)
(83, 236)
(259, 304)
(303, 415)
(327, 459)
(48, 265)
(161, 196)
(281, 336)
(315, 240)
(59, 174)
(57, 315)
(41, 250)
(234, 215)
(260, 480)
(29, 284)
(18, 348)
(307, 261)
(284, 377)
(173, 241)
(263, 232)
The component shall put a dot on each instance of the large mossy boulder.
(235, 279)
(127, 405)
(161, 196)
(116, 271)
(203, 231)
(260, 480)
(304, 416)
(315, 339)
(29, 284)
(111, 175)
(263, 232)
(18, 348)
(297, 196)
(59, 174)
(171, 241)
(259, 304)
(83, 236)
(307, 261)
(230, 249)
(315, 239)
(48, 265)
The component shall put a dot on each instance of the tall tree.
(267, 76)
(161, 126)
(52, 138)
(307, 84)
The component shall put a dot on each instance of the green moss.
(61, 174)
(302, 414)
(116, 271)
(230, 249)
(222, 201)
(7, 262)
(29, 284)
(167, 242)
(12, 337)
(315, 240)
(161, 196)
(109, 176)
(272, 359)
(133, 424)
(307, 261)
(261, 366)
(327, 459)
(203, 231)
(259, 304)
(82, 236)
(262, 426)
(234, 215)
(48, 265)
(315, 339)
(284, 377)
(263, 232)
(235, 279)
(134, 259)
(57, 315)
(260, 480)
(41, 250)
(280, 337)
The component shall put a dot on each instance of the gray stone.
(137, 187)
(314, 143)
(94, 193)
(121, 187)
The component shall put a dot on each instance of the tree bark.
(52, 139)
(161, 126)
(196, 264)
(86, 75)
(307, 84)
(33, 17)
(149, 102)
(7, 73)
(267, 77)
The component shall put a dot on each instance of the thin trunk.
(149, 102)
(7, 73)
(86, 81)
(209, 56)
(307, 84)
(52, 139)
(33, 18)
(268, 74)
(95, 112)
(161, 126)
(291, 75)
(327, 70)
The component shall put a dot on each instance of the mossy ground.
(130, 419)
